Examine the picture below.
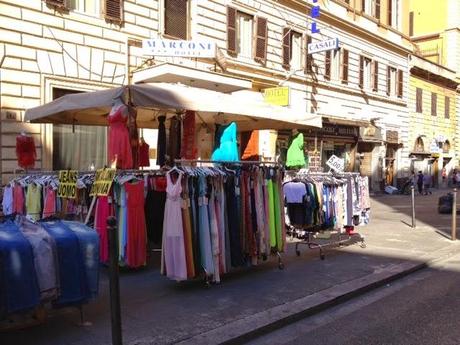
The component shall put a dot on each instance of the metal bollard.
(412, 190)
(114, 276)
(454, 216)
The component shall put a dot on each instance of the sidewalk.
(158, 311)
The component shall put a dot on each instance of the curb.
(248, 328)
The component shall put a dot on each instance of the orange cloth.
(251, 150)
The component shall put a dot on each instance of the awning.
(172, 73)
(151, 100)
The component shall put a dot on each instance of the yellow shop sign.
(277, 95)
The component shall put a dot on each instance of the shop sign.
(315, 13)
(335, 163)
(67, 184)
(392, 137)
(277, 95)
(322, 46)
(102, 182)
(338, 130)
(164, 47)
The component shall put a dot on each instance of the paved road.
(420, 309)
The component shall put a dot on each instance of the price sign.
(68, 184)
(336, 163)
(103, 182)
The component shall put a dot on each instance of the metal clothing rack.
(340, 238)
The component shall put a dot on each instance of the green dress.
(271, 213)
(295, 154)
(277, 211)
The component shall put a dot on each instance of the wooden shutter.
(286, 48)
(56, 3)
(308, 57)
(411, 23)
(261, 40)
(345, 67)
(434, 103)
(400, 83)
(113, 10)
(375, 76)
(327, 67)
(418, 100)
(388, 80)
(363, 5)
(390, 13)
(361, 71)
(447, 108)
(175, 18)
(377, 9)
(231, 30)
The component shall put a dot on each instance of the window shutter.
(418, 100)
(176, 18)
(286, 48)
(308, 57)
(400, 83)
(113, 10)
(375, 76)
(377, 9)
(363, 5)
(390, 12)
(231, 30)
(447, 108)
(345, 67)
(434, 103)
(361, 71)
(56, 3)
(327, 67)
(388, 80)
(261, 40)
(411, 23)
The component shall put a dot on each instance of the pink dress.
(100, 224)
(173, 232)
(118, 143)
(49, 207)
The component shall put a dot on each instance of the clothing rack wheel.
(82, 322)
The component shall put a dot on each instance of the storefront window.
(341, 150)
(82, 148)
(78, 147)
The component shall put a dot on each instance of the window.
(394, 82)
(308, 57)
(371, 8)
(419, 100)
(176, 14)
(78, 147)
(245, 34)
(87, 6)
(365, 72)
(332, 65)
(292, 50)
(411, 23)
(393, 13)
(447, 107)
(434, 104)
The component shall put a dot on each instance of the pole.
(412, 190)
(454, 216)
(114, 276)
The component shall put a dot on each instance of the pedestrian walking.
(420, 182)
(427, 180)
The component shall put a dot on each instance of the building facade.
(361, 89)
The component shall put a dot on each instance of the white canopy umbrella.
(152, 100)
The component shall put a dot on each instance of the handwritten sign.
(277, 95)
(336, 163)
(103, 182)
(68, 184)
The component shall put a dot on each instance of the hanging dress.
(119, 144)
(137, 234)
(102, 212)
(173, 232)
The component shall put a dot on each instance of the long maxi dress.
(173, 232)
